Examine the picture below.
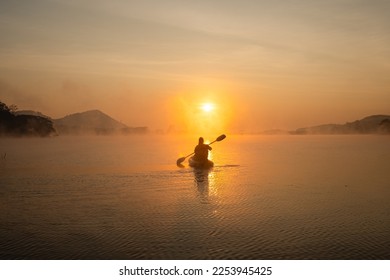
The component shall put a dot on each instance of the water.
(268, 197)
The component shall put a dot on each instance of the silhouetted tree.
(6, 118)
(13, 108)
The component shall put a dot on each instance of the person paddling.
(201, 154)
(202, 151)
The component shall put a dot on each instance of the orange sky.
(264, 64)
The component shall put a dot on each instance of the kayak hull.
(200, 164)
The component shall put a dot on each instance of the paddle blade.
(220, 138)
(180, 160)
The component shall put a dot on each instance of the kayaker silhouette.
(202, 151)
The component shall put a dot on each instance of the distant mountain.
(92, 122)
(376, 124)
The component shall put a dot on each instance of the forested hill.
(376, 124)
(12, 124)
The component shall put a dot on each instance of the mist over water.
(267, 197)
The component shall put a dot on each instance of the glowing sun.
(207, 107)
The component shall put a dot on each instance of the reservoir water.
(267, 197)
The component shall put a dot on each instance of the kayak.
(200, 164)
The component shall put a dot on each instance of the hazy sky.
(264, 64)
